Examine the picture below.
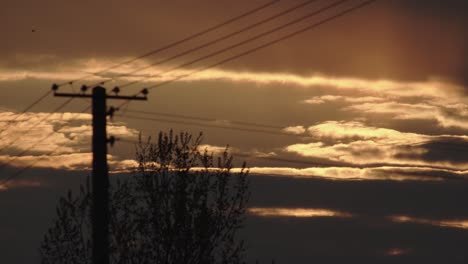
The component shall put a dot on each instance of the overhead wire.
(281, 132)
(325, 164)
(40, 121)
(40, 141)
(276, 159)
(4, 182)
(205, 119)
(29, 107)
(240, 154)
(178, 42)
(267, 44)
(243, 42)
(18, 173)
(252, 50)
(211, 42)
(208, 125)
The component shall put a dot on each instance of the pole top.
(99, 90)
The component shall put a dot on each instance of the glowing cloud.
(20, 183)
(296, 212)
(70, 161)
(338, 98)
(396, 252)
(43, 132)
(295, 130)
(447, 114)
(384, 173)
(339, 130)
(55, 141)
(459, 224)
(213, 149)
(379, 88)
(355, 143)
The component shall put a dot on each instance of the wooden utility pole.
(100, 177)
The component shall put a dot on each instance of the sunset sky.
(354, 131)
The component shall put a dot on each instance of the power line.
(38, 142)
(209, 125)
(270, 43)
(176, 43)
(205, 119)
(451, 146)
(5, 181)
(29, 107)
(212, 42)
(240, 154)
(11, 177)
(324, 164)
(275, 159)
(38, 123)
(241, 43)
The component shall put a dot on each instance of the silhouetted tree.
(178, 207)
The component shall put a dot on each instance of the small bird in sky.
(33, 30)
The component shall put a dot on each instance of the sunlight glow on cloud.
(359, 174)
(72, 161)
(358, 152)
(396, 252)
(295, 130)
(214, 149)
(458, 224)
(77, 69)
(353, 129)
(62, 132)
(349, 142)
(21, 183)
(219, 150)
(57, 141)
(296, 212)
(448, 114)
(337, 98)
(354, 142)
(65, 161)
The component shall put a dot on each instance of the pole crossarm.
(118, 97)
(116, 90)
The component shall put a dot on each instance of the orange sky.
(376, 96)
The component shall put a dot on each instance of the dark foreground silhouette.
(181, 205)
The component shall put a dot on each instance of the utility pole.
(100, 177)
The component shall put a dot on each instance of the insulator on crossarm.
(145, 92)
(84, 88)
(116, 90)
(55, 87)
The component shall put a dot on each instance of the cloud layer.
(58, 141)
